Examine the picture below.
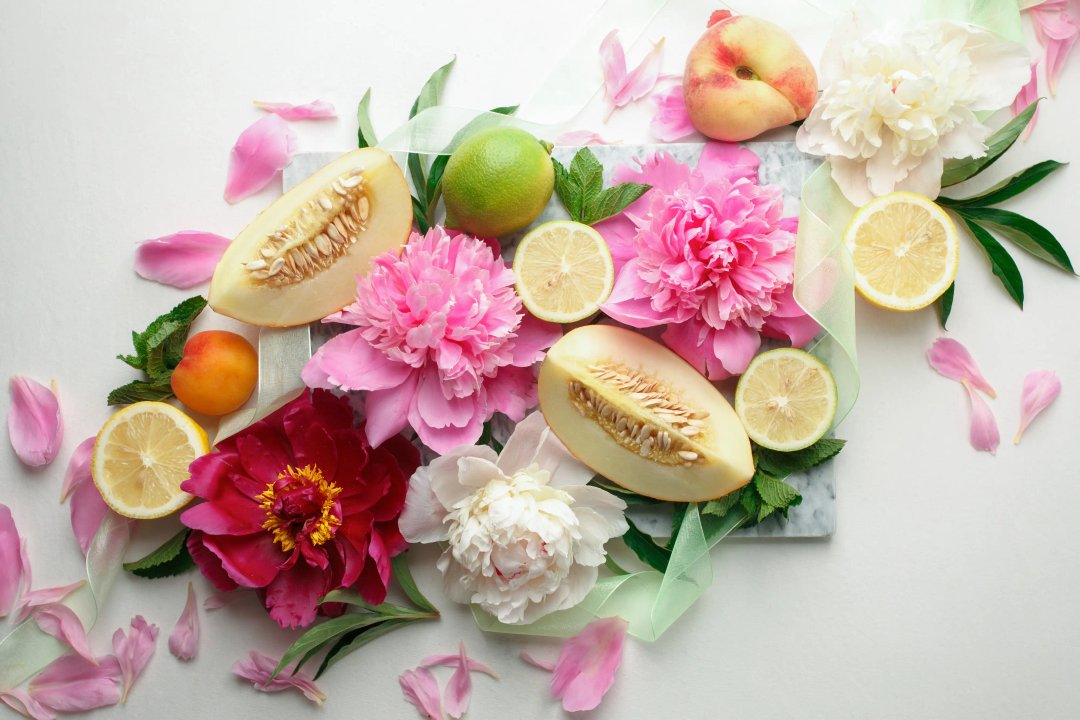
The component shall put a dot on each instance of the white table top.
(949, 590)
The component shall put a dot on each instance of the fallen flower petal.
(259, 154)
(453, 660)
(1041, 387)
(586, 667)
(134, 650)
(951, 359)
(621, 86)
(219, 600)
(984, 433)
(535, 662)
(314, 110)
(62, 623)
(74, 684)
(183, 260)
(46, 596)
(78, 469)
(88, 510)
(1027, 95)
(257, 668)
(459, 688)
(14, 571)
(184, 640)
(671, 122)
(421, 689)
(34, 423)
(1057, 30)
(23, 703)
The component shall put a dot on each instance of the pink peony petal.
(459, 688)
(256, 668)
(984, 434)
(259, 154)
(46, 596)
(78, 469)
(62, 623)
(1027, 95)
(730, 161)
(75, 684)
(134, 650)
(23, 703)
(219, 600)
(14, 572)
(671, 122)
(586, 667)
(88, 511)
(348, 362)
(951, 359)
(1057, 29)
(537, 663)
(35, 426)
(621, 86)
(453, 661)
(1041, 387)
(184, 639)
(314, 110)
(574, 138)
(421, 689)
(183, 260)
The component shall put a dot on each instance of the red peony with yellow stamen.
(300, 504)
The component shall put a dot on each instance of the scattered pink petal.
(984, 430)
(671, 122)
(134, 650)
(621, 86)
(78, 469)
(314, 110)
(259, 154)
(88, 511)
(453, 660)
(1041, 387)
(23, 703)
(75, 684)
(34, 423)
(1027, 95)
(459, 688)
(257, 668)
(951, 359)
(183, 260)
(46, 596)
(14, 568)
(537, 663)
(421, 689)
(62, 623)
(219, 600)
(587, 663)
(1057, 29)
(184, 640)
(573, 138)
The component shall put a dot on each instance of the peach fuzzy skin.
(217, 373)
(745, 76)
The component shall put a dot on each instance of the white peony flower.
(898, 103)
(526, 534)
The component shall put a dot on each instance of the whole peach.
(217, 374)
(745, 76)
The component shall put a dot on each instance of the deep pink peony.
(441, 342)
(708, 253)
(300, 504)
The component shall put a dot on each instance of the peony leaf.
(405, 579)
(171, 558)
(428, 97)
(646, 548)
(1006, 189)
(355, 640)
(1041, 388)
(1001, 263)
(365, 131)
(627, 496)
(1022, 231)
(957, 171)
(328, 631)
(944, 304)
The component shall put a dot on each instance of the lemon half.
(786, 399)
(564, 271)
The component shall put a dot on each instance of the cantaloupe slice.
(641, 416)
(298, 261)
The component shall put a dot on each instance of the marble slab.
(781, 164)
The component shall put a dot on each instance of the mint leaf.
(588, 174)
(158, 350)
(944, 304)
(775, 493)
(613, 201)
(957, 171)
(750, 501)
(365, 131)
(721, 506)
(581, 189)
(568, 190)
(646, 548)
(138, 391)
(1001, 262)
(171, 558)
(782, 464)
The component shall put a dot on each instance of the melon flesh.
(298, 261)
(641, 416)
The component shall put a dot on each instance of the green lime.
(497, 181)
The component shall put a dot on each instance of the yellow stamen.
(307, 476)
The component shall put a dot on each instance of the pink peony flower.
(441, 342)
(300, 504)
(707, 253)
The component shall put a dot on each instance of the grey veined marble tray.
(781, 164)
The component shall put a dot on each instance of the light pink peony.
(707, 253)
(441, 342)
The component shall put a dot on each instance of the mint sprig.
(171, 558)
(581, 189)
(158, 350)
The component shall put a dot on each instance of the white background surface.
(950, 590)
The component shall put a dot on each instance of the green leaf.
(678, 514)
(721, 506)
(628, 496)
(765, 511)
(957, 171)
(1001, 262)
(429, 94)
(1008, 188)
(646, 548)
(588, 174)
(568, 190)
(158, 350)
(350, 642)
(420, 215)
(405, 579)
(1022, 231)
(487, 438)
(613, 201)
(365, 131)
(171, 558)
(325, 632)
(438, 166)
(782, 464)
(775, 493)
(428, 97)
(750, 501)
(416, 172)
(139, 390)
(944, 304)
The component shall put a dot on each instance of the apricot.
(217, 374)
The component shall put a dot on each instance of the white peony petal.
(444, 473)
(925, 178)
(1002, 67)
(850, 177)
(422, 519)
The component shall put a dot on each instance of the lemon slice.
(564, 271)
(905, 250)
(786, 399)
(141, 456)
